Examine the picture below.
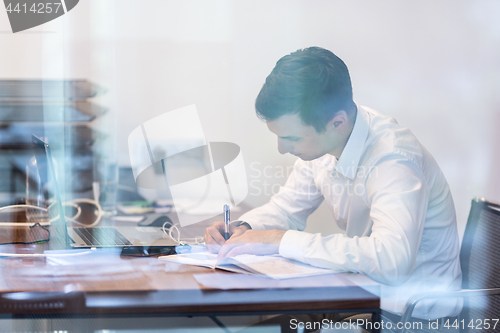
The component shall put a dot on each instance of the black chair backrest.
(480, 261)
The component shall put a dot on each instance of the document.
(225, 281)
(275, 266)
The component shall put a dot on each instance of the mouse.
(157, 222)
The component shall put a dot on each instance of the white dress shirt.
(391, 198)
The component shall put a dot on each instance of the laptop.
(66, 236)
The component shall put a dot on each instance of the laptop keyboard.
(101, 236)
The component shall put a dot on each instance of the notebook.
(275, 266)
(75, 237)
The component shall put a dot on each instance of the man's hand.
(260, 242)
(214, 239)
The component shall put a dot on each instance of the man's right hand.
(214, 238)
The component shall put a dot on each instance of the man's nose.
(283, 147)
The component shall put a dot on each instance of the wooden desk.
(148, 286)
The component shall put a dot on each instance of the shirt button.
(336, 210)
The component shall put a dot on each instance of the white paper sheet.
(275, 267)
(227, 281)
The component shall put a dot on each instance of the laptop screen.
(45, 193)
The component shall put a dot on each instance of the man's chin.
(306, 157)
(303, 157)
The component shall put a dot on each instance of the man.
(382, 186)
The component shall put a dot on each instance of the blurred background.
(434, 66)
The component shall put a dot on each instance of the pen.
(226, 222)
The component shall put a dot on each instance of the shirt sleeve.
(290, 207)
(398, 197)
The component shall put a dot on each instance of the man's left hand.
(260, 242)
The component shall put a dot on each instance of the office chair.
(480, 261)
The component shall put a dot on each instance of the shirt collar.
(327, 162)
(348, 162)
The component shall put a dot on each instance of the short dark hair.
(313, 83)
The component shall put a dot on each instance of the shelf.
(48, 111)
(17, 136)
(65, 89)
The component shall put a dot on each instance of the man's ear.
(339, 121)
